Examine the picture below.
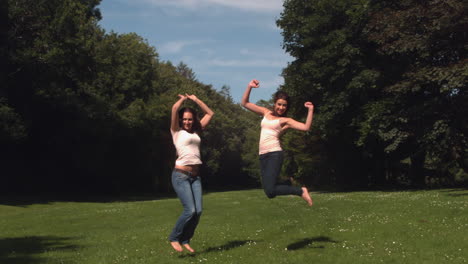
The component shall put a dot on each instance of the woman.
(273, 124)
(185, 129)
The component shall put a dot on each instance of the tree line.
(84, 110)
(389, 79)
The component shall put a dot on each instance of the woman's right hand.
(254, 83)
(181, 96)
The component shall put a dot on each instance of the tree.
(423, 113)
(186, 72)
(226, 93)
(329, 70)
(86, 111)
(50, 47)
(379, 72)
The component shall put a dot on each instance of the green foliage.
(304, 159)
(428, 43)
(388, 79)
(12, 127)
(126, 67)
(186, 72)
(230, 148)
(95, 106)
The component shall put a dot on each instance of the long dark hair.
(196, 126)
(281, 95)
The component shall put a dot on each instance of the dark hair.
(281, 95)
(196, 126)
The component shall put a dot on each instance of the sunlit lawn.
(242, 227)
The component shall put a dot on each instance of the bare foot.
(176, 245)
(306, 196)
(189, 248)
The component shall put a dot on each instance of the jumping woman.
(273, 124)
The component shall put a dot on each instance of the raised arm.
(208, 112)
(175, 115)
(251, 106)
(291, 123)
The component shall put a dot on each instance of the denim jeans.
(189, 191)
(270, 165)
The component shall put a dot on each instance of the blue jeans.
(189, 191)
(270, 165)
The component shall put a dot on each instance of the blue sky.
(225, 42)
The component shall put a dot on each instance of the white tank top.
(269, 136)
(187, 146)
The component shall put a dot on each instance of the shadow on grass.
(41, 198)
(26, 200)
(463, 190)
(458, 192)
(306, 242)
(228, 246)
(26, 250)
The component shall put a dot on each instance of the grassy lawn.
(242, 227)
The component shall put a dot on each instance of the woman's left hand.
(191, 97)
(309, 105)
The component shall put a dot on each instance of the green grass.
(243, 227)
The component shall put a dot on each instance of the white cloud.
(267, 52)
(247, 63)
(207, 52)
(173, 47)
(252, 5)
(262, 6)
(272, 83)
(245, 52)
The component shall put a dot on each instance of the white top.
(269, 136)
(187, 146)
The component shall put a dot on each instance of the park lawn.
(423, 226)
